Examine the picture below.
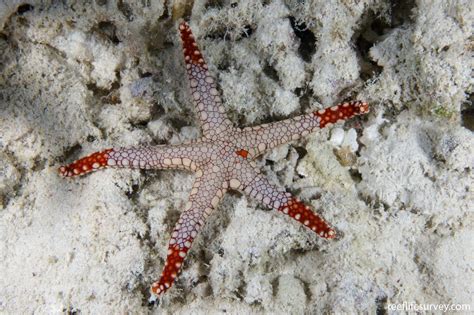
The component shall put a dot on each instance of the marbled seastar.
(221, 158)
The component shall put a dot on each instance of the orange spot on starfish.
(243, 153)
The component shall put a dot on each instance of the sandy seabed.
(397, 184)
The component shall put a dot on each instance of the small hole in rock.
(401, 12)
(126, 10)
(90, 138)
(307, 38)
(145, 75)
(247, 31)
(467, 113)
(108, 29)
(271, 72)
(22, 9)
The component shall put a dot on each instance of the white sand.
(397, 184)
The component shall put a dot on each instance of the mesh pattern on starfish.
(221, 159)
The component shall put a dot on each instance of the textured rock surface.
(77, 78)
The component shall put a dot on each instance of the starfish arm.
(249, 181)
(206, 193)
(204, 93)
(257, 140)
(157, 157)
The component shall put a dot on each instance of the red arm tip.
(86, 165)
(341, 112)
(191, 52)
(173, 265)
(302, 213)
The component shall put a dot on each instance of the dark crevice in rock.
(368, 67)
(373, 29)
(133, 193)
(166, 14)
(391, 114)
(156, 112)
(306, 289)
(378, 25)
(271, 72)
(71, 310)
(90, 138)
(305, 99)
(106, 96)
(146, 241)
(467, 113)
(401, 12)
(125, 9)
(22, 9)
(142, 124)
(107, 30)
(240, 291)
(72, 153)
(224, 65)
(211, 4)
(301, 151)
(307, 46)
(355, 175)
(275, 286)
(364, 38)
(145, 74)
(381, 302)
(178, 122)
(247, 31)
(298, 92)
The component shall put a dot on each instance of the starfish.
(222, 160)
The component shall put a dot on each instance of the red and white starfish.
(221, 158)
